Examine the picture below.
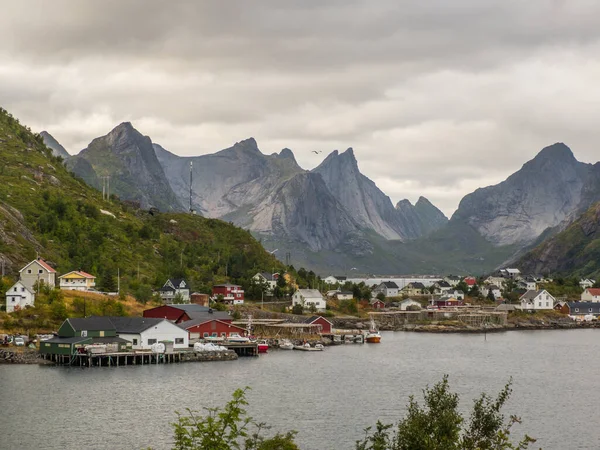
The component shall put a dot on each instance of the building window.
(179, 340)
(22, 289)
(134, 341)
(151, 341)
(547, 303)
(223, 334)
(539, 303)
(576, 309)
(205, 334)
(590, 310)
(15, 289)
(40, 271)
(215, 335)
(28, 270)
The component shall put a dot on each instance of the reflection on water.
(328, 397)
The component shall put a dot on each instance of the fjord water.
(328, 397)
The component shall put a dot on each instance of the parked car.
(19, 342)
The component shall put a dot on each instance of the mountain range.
(334, 218)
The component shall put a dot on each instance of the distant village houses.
(586, 283)
(536, 300)
(269, 279)
(591, 295)
(413, 289)
(387, 288)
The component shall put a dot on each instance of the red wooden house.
(445, 302)
(232, 293)
(377, 304)
(326, 325)
(207, 327)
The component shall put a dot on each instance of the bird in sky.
(317, 152)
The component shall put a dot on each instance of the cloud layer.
(436, 98)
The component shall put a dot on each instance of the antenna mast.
(191, 210)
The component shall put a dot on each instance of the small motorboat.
(286, 345)
(235, 338)
(263, 346)
(319, 346)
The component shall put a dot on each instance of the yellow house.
(77, 280)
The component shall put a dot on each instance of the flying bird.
(317, 152)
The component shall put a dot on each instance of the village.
(223, 325)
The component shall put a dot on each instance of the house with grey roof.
(174, 287)
(388, 288)
(309, 298)
(579, 310)
(536, 300)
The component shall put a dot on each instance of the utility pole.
(118, 280)
(191, 209)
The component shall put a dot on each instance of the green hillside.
(574, 251)
(46, 210)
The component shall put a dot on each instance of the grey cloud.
(437, 98)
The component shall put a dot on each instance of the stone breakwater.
(21, 357)
(227, 355)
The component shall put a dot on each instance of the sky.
(436, 98)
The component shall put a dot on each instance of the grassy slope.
(574, 251)
(45, 209)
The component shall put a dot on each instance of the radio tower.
(191, 209)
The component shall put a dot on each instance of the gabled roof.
(20, 283)
(227, 285)
(471, 281)
(81, 273)
(175, 282)
(310, 293)
(593, 291)
(134, 324)
(42, 263)
(390, 285)
(191, 307)
(94, 323)
(66, 340)
(531, 294)
(340, 278)
(345, 293)
(311, 319)
(376, 300)
(416, 285)
(443, 284)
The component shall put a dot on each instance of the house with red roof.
(77, 280)
(38, 271)
(470, 281)
(591, 295)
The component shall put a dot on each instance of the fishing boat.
(307, 348)
(263, 346)
(373, 336)
(286, 345)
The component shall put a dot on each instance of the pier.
(118, 359)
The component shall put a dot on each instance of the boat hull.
(373, 339)
(263, 348)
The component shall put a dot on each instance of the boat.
(235, 338)
(373, 336)
(214, 339)
(263, 346)
(319, 345)
(307, 348)
(286, 345)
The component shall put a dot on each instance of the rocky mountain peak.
(52, 144)
(405, 203)
(287, 154)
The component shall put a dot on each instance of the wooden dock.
(135, 358)
(242, 349)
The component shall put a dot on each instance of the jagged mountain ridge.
(549, 191)
(370, 207)
(129, 159)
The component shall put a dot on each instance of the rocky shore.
(21, 357)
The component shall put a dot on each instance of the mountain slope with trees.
(45, 210)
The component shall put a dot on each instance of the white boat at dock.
(286, 345)
(307, 348)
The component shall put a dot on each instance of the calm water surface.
(328, 397)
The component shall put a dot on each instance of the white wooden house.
(174, 287)
(308, 298)
(387, 288)
(591, 295)
(268, 279)
(536, 300)
(486, 288)
(18, 296)
(142, 332)
(586, 283)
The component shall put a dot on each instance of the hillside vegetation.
(574, 251)
(47, 211)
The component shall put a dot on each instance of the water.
(328, 397)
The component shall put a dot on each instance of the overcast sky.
(436, 98)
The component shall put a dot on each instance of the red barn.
(205, 327)
(326, 325)
(232, 293)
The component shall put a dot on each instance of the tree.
(474, 292)
(490, 295)
(178, 299)
(227, 428)
(380, 296)
(462, 286)
(297, 309)
(143, 293)
(438, 425)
